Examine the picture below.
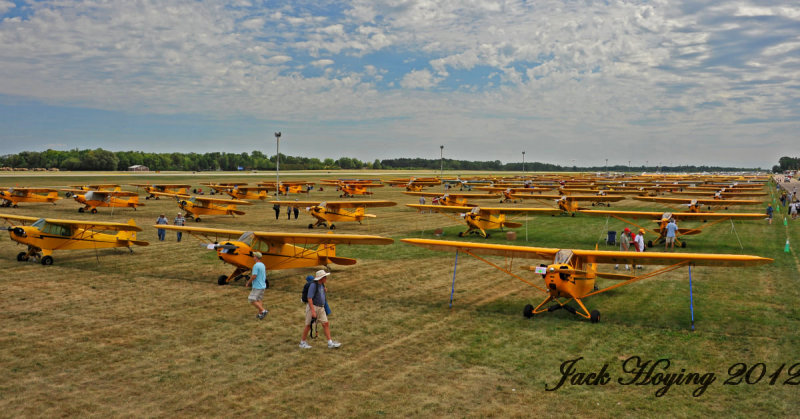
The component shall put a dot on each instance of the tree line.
(104, 160)
(786, 163)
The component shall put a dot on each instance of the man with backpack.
(315, 309)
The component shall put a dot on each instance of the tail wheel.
(94, 210)
(22, 257)
(527, 311)
(47, 260)
(222, 280)
(594, 316)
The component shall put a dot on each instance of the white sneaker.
(333, 344)
(304, 345)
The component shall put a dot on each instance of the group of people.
(162, 220)
(317, 308)
(289, 211)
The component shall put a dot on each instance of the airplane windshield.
(563, 256)
(246, 238)
(39, 223)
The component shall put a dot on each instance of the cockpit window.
(246, 238)
(56, 229)
(39, 223)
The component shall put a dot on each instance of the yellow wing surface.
(494, 210)
(222, 200)
(455, 194)
(685, 216)
(687, 201)
(338, 204)
(277, 237)
(86, 225)
(594, 256)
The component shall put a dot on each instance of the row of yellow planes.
(570, 275)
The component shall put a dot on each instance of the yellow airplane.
(569, 203)
(662, 218)
(352, 188)
(280, 250)
(571, 274)
(480, 219)
(286, 188)
(46, 235)
(95, 187)
(340, 211)
(199, 205)
(163, 188)
(244, 192)
(507, 192)
(414, 184)
(695, 205)
(11, 197)
(94, 198)
(723, 193)
(453, 199)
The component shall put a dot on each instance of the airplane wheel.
(609, 204)
(158, 197)
(147, 198)
(197, 220)
(592, 203)
(487, 236)
(333, 227)
(15, 206)
(683, 245)
(22, 257)
(47, 260)
(528, 311)
(650, 243)
(594, 316)
(94, 210)
(460, 234)
(222, 280)
(81, 209)
(310, 226)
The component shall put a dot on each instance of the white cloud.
(5, 6)
(418, 79)
(322, 63)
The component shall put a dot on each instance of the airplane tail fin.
(127, 235)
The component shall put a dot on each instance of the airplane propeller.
(18, 231)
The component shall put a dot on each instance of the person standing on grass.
(179, 221)
(315, 310)
(277, 209)
(259, 280)
(672, 229)
(162, 233)
(770, 210)
(625, 245)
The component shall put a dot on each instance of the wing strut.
(691, 298)
(453, 287)
(504, 270)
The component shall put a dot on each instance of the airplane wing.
(596, 256)
(94, 225)
(358, 204)
(35, 190)
(320, 238)
(218, 233)
(455, 194)
(297, 203)
(498, 210)
(11, 218)
(222, 201)
(171, 195)
(709, 201)
(683, 216)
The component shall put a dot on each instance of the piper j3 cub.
(571, 274)
(93, 199)
(10, 197)
(45, 235)
(280, 250)
(198, 205)
(340, 211)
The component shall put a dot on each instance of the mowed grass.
(109, 333)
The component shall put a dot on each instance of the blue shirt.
(317, 294)
(260, 274)
(671, 229)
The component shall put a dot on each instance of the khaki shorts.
(256, 295)
(321, 316)
(670, 240)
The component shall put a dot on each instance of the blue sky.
(667, 82)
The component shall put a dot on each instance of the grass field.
(109, 333)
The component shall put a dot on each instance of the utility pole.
(278, 165)
(523, 163)
(441, 165)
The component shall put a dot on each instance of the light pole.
(523, 164)
(278, 165)
(441, 165)
(606, 166)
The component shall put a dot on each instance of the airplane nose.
(18, 231)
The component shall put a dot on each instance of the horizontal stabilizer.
(341, 261)
(510, 224)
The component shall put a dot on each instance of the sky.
(664, 82)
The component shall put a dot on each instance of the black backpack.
(304, 299)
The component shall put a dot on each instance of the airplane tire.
(197, 220)
(158, 197)
(683, 245)
(94, 210)
(22, 257)
(594, 316)
(81, 209)
(460, 234)
(650, 243)
(310, 226)
(222, 280)
(333, 227)
(47, 260)
(527, 311)
(147, 198)
(15, 206)
(487, 236)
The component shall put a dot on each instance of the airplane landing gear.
(310, 226)
(594, 316)
(47, 260)
(333, 227)
(94, 210)
(527, 311)
(81, 209)
(22, 256)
